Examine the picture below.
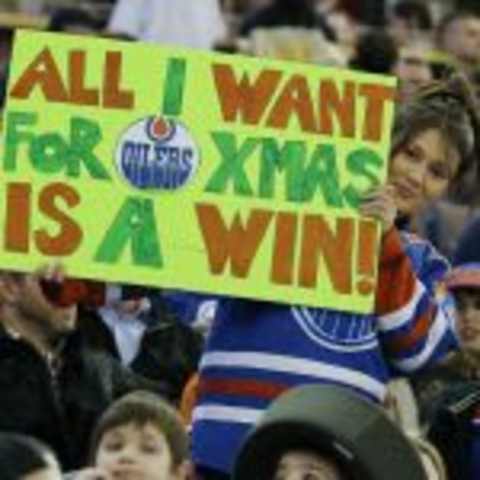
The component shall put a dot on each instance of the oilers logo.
(337, 331)
(157, 153)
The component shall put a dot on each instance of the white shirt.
(188, 23)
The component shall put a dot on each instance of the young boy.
(464, 283)
(455, 429)
(139, 436)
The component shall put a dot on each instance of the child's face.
(133, 452)
(468, 307)
(300, 465)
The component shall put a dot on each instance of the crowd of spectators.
(121, 382)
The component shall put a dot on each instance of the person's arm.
(415, 317)
(415, 312)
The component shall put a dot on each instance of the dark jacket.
(169, 351)
(58, 403)
(451, 430)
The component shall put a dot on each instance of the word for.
(52, 153)
(304, 173)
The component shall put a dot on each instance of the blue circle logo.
(157, 153)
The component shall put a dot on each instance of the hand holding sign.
(380, 204)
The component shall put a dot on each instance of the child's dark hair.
(141, 408)
(21, 455)
(449, 106)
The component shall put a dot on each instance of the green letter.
(357, 164)
(135, 222)
(174, 87)
(48, 153)
(289, 157)
(15, 134)
(323, 172)
(85, 135)
(233, 159)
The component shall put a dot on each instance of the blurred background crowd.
(416, 41)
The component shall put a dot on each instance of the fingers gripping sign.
(379, 204)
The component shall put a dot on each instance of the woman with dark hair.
(25, 458)
(257, 350)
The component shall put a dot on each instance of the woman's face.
(422, 170)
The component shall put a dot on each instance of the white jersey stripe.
(404, 315)
(435, 335)
(294, 366)
(220, 413)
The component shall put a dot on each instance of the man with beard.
(53, 387)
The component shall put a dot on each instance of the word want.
(274, 97)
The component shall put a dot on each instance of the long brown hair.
(451, 107)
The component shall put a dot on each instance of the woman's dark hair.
(21, 455)
(451, 107)
(141, 408)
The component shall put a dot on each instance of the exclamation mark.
(174, 87)
(367, 257)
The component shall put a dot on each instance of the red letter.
(113, 96)
(376, 95)
(44, 72)
(17, 223)
(335, 247)
(244, 99)
(78, 93)
(70, 235)
(238, 244)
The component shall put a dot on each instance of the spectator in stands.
(375, 52)
(139, 436)
(458, 36)
(24, 458)
(468, 248)
(449, 395)
(323, 432)
(409, 20)
(257, 350)
(412, 69)
(455, 427)
(53, 387)
(287, 13)
(134, 326)
(182, 22)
